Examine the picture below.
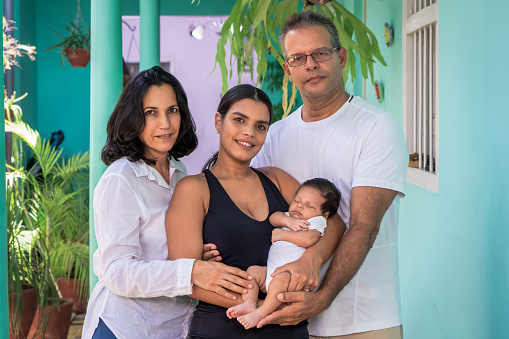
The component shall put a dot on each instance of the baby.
(299, 228)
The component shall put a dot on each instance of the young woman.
(140, 293)
(229, 205)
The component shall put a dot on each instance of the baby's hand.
(276, 234)
(297, 224)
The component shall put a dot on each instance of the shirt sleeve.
(117, 213)
(383, 158)
(318, 223)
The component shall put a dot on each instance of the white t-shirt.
(359, 145)
(282, 252)
(140, 293)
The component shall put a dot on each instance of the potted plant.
(75, 45)
(49, 201)
(22, 293)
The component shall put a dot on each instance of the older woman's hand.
(221, 279)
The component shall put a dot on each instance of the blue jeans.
(103, 332)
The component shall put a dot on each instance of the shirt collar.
(141, 169)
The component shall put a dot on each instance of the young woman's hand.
(210, 252)
(224, 280)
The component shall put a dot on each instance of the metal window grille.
(421, 104)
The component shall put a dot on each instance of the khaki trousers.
(386, 333)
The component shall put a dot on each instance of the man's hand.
(300, 306)
(221, 279)
(210, 252)
(305, 273)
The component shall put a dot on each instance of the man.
(361, 149)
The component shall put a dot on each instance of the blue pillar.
(4, 310)
(149, 34)
(105, 88)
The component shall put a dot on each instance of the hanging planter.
(76, 40)
(78, 57)
(71, 45)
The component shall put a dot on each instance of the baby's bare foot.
(244, 308)
(251, 320)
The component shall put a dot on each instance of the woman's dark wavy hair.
(127, 121)
(328, 191)
(234, 95)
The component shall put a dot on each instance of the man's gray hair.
(308, 19)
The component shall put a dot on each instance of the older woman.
(140, 293)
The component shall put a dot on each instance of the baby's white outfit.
(282, 252)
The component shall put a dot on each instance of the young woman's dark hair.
(234, 95)
(127, 121)
(328, 191)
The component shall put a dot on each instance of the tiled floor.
(76, 326)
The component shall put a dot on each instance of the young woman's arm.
(184, 228)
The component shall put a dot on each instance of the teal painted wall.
(453, 256)
(453, 244)
(63, 95)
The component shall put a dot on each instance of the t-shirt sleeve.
(318, 223)
(383, 159)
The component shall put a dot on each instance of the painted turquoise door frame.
(4, 311)
(149, 34)
(105, 88)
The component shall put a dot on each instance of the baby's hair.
(328, 191)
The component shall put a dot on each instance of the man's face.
(314, 79)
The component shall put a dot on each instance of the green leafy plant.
(47, 214)
(253, 25)
(75, 39)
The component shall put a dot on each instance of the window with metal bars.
(420, 90)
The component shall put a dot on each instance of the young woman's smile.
(244, 128)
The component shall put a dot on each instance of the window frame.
(411, 23)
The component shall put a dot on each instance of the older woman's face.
(162, 121)
(243, 129)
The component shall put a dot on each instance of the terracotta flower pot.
(77, 57)
(28, 307)
(57, 319)
(70, 290)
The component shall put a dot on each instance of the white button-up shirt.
(140, 293)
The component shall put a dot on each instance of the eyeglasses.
(322, 54)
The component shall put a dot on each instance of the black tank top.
(242, 242)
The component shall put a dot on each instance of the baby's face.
(306, 204)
